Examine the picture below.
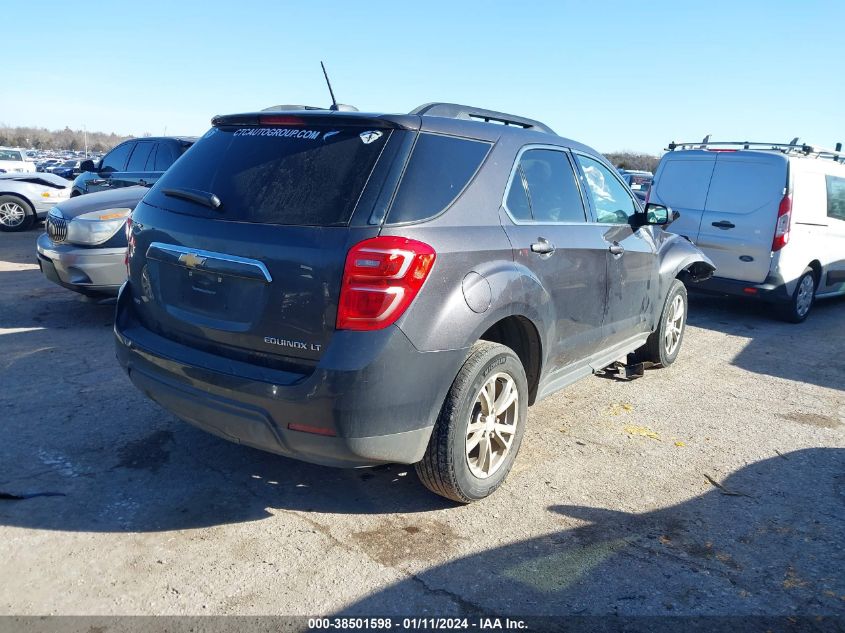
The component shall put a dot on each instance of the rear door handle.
(542, 246)
(616, 249)
(724, 224)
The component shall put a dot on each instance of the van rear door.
(681, 183)
(741, 211)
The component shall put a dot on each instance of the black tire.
(445, 468)
(656, 350)
(802, 300)
(8, 204)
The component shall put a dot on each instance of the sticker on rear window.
(369, 137)
(282, 132)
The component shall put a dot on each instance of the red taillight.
(381, 278)
(280, 119)
(782, 225)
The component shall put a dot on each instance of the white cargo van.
(771, 217)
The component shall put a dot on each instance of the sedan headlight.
(96, 227)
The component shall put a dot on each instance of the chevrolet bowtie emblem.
(191, 260)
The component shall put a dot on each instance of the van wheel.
(480, 427)
(802, 299)
(664, 344)
(15, 214)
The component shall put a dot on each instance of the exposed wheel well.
(518, 333)
(817, 270)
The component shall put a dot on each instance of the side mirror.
(88, 165)
(658, 214)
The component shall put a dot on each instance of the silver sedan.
(27, 198)
(84, 245)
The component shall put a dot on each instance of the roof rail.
(469, 113)
(794, 147)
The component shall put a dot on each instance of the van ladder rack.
(470, 113)
(794, 147)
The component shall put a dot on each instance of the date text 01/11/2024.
(415, 624)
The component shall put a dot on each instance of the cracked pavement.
(609, 509)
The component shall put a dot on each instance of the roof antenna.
(329, 84)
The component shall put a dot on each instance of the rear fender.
(506, 288)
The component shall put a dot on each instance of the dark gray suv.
(352, 289)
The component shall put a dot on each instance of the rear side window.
(309, 176)
(438, 170)
(164, 157)
(552, 193)
(116, 159)
(139, 157)
(835, 197)
(683, 184)
(740, 186)
(517, 201)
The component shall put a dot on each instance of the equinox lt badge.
(272, 340)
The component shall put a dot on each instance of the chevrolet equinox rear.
(352, 289)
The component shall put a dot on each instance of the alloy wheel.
(674, 325)
(492, 426)
(12, 214)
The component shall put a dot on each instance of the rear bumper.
(372, 399)
(85, 270)
(773, 289)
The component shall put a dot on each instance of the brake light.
(381, 278)
(782, 226)
(280, 119)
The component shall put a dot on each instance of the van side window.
(611, 201)
(835, 197)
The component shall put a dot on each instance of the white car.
(13, 161)
(27, 198)
(771, 216)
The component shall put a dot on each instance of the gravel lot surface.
(714, 487)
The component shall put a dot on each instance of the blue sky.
(614, 75)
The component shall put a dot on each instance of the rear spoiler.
(296, 118)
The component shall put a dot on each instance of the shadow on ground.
(777, 348)
(115, 477)
(771, 541)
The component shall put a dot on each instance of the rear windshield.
(683, 184)
(310, 175)
(743, 186)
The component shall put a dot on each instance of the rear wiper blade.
(204, 198)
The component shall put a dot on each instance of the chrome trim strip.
(181, 250)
